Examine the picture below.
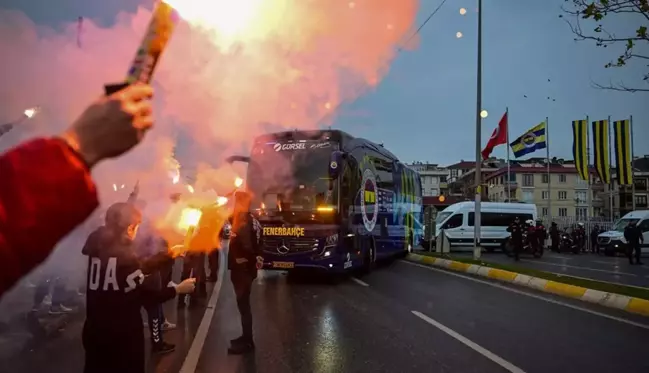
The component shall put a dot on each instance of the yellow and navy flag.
(530, 141)
(601, 150)
(622, 146)
(580, 147)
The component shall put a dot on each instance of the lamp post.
(478, 141)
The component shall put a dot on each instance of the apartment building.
(462, 177)
(623, 195)
(434, 179)
(559, 192)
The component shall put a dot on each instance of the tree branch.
(619, 87)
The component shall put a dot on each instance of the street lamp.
(478, 140)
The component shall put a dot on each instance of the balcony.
(599, 187)
(598, 202)
(512, 185)
(640, 187)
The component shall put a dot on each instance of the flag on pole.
(498, 137)
(531, 141)
(601, 150)
(622, 131)
(580, 147)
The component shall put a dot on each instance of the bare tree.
(635, 44)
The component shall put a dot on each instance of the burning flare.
(189, 218)
(238, 182)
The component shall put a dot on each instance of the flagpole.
(478, 142)
(509, 169)
(547, 154)
(588, 191)
(632, 170)
(611, 198)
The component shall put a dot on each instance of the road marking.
(521, 292)
(194, 353)
(607, 282)
(472, 345)
(360, 282)
(558, 257)
(582, 268)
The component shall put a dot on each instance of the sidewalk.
(621, 297)
(615, 270)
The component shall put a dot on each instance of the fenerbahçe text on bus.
(329, 201)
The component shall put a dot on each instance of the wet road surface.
(592, 266)
(458, 325)
(368, 325)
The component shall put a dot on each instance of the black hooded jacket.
(115, 279)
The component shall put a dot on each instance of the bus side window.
(347, 185)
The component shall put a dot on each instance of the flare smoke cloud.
(292, 68)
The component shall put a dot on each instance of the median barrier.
(612, 300)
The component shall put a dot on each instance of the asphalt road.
(460, 325)
(400, 318)
(592, 266)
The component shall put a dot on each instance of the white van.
(457, 222)
(613, 241)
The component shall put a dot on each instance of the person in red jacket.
(47, 189)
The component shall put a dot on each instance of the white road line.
(472, 345)
(360, 282)
(582, 268)
(558, 257)
(612, 262)
(521, 292)
(194, 353)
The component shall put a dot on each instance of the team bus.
(329, 201)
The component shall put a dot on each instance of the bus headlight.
(331, 241)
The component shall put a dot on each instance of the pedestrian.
(541, 234)
(594, 247)
(244, 259)
(47, 189)
(634, 239)
(555, 236)
(516, 231)
(113, 336)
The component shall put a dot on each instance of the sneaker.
(168, 325)
(163, 348)
(241, 347)
(59, 310)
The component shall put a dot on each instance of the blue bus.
(329, 201)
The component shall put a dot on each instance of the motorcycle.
(568, 243)
(528, 247)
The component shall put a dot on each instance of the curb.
(611, 300)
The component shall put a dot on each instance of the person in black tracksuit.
(244, 259)
(633, 236)
(113, 336)
(555, 236)
(516, 231)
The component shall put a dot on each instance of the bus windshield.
(292, 178)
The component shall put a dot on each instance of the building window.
(641, 201)
(442, 179)
(453, 173)
(562, 178)
(563, 211)
(580, 197)
(563, 195)
(544, 211)
(528, 180)
(528, 196)
(581, 213)
(545, 194)
(434, 192)
(545, 178)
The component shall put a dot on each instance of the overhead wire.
(418, 31)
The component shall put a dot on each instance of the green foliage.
(635, 45)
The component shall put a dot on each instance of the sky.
(423, 105)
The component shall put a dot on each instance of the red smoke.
(292, 72)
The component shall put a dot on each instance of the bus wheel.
(369, 257)
(408, 249)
